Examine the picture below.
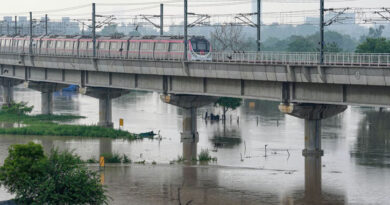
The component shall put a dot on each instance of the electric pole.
(322, 24)
(94, 29)
(185, 30)
(161, 19)
(258, 24)
(16, 25)
(31, 34)
(46, 24)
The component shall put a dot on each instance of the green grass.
(43, 125)
(53, 129)
(11, 117)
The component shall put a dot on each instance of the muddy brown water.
(355, 168)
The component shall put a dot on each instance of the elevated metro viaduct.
(312, 92)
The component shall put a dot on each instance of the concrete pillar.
(47, 90)
(8, 94)
(312, 137)
(105, 96)
(105, 111)
(312, 114)
(8, 89)
(313, 178)
(189, 136)
(47, 102)
(189, 103)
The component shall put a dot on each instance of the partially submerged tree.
(60, 178)
(17, 108)
(228, 103)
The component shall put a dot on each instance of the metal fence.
(303, 58)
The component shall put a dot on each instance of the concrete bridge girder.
(105, 96)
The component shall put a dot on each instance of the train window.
(51, 44)
(83, 45)
(21, 42)
(115, 46)
(102, 45)
(68, 45)
(200, 45)
(90, 45)
(60, 44)
(161, 46)
(147, 46)
(134, 46)
(177, 47)
(44, 44)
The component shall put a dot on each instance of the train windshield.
(200, 45)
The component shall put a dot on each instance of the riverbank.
(50, 125)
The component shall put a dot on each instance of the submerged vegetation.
(204, 156)
(46, 125)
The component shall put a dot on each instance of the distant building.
(7, 18)
(63, 27)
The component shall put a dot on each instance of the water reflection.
(372, 146)
(313, 192)
(105, 146)
(227, 138)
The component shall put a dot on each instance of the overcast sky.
(10, 7)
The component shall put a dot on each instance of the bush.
(112, 158)
(60, 178)
(17, 108)
(204, 155)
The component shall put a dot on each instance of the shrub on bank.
(60, 178)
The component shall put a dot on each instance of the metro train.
(142, 47)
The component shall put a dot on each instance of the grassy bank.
(47, 125)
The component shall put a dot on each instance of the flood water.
(355, 168)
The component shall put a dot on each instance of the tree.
(301, 44)
(376, 32)
(229, 38)
(228, 103)
(60, 178)
(332, 47)
(374, 45)
(17, 108)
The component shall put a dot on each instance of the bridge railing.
(264, 57)
(304, 58)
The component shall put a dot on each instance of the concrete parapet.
(105, 96)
